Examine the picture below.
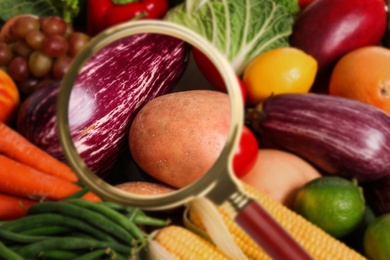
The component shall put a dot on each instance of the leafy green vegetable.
(240, 29)
(291, 5)
(68, 9)
(10, 8)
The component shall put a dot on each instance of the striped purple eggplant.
(112, 86)
(338, 135)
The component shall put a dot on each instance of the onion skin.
(111, 88)
(338, 135)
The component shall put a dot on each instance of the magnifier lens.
(141, 101)
(135, 112)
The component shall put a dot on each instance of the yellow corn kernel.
(184, 244)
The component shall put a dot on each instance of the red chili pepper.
(103, 14)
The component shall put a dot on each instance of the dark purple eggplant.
(338, 135)
(377, 194)
(114, 84)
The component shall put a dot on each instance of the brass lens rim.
(220, 170)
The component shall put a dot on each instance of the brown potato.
(177, 137)
(145, 188)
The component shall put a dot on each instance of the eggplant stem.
(255, 116)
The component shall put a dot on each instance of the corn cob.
(183, 244)
(246, 244)
(314, 240)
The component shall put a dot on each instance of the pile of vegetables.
(142, 121)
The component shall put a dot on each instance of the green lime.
(377, 238)
(333, 203)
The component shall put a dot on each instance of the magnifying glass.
(218, 184)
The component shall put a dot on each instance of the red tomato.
(211, 73)
(246, 154)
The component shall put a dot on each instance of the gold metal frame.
(218, 184)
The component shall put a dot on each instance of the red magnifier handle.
(268, 234)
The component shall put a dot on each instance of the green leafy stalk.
(70, 9)
(239, 29)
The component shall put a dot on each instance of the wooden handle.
(268, 234)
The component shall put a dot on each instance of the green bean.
(58, 254)
(7, 253)
(94, 255)
(112, 215)
(16, 247)
(150, 221)
(4, 222)
(115, 206)
(47, 219)
(82, 235)
(46, 230)
(126, 210)
(108, 253)
(133, 213)
(70, 243)
(87, 215)
(15, 237)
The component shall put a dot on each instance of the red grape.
(21, 48)
(24, 25)
(35, 39)
(77, 41)
(53, 25)
(60, 66)
(55, 45)
(18, 68)
(5, 54)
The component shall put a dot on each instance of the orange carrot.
(12, 207)
(91, 197)
(16, 146)
(24, 181)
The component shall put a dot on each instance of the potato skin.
(145, 188)
(177, 137)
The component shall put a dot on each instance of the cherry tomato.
(246, 154)
(211, 73)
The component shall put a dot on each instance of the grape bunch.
(38, 50)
